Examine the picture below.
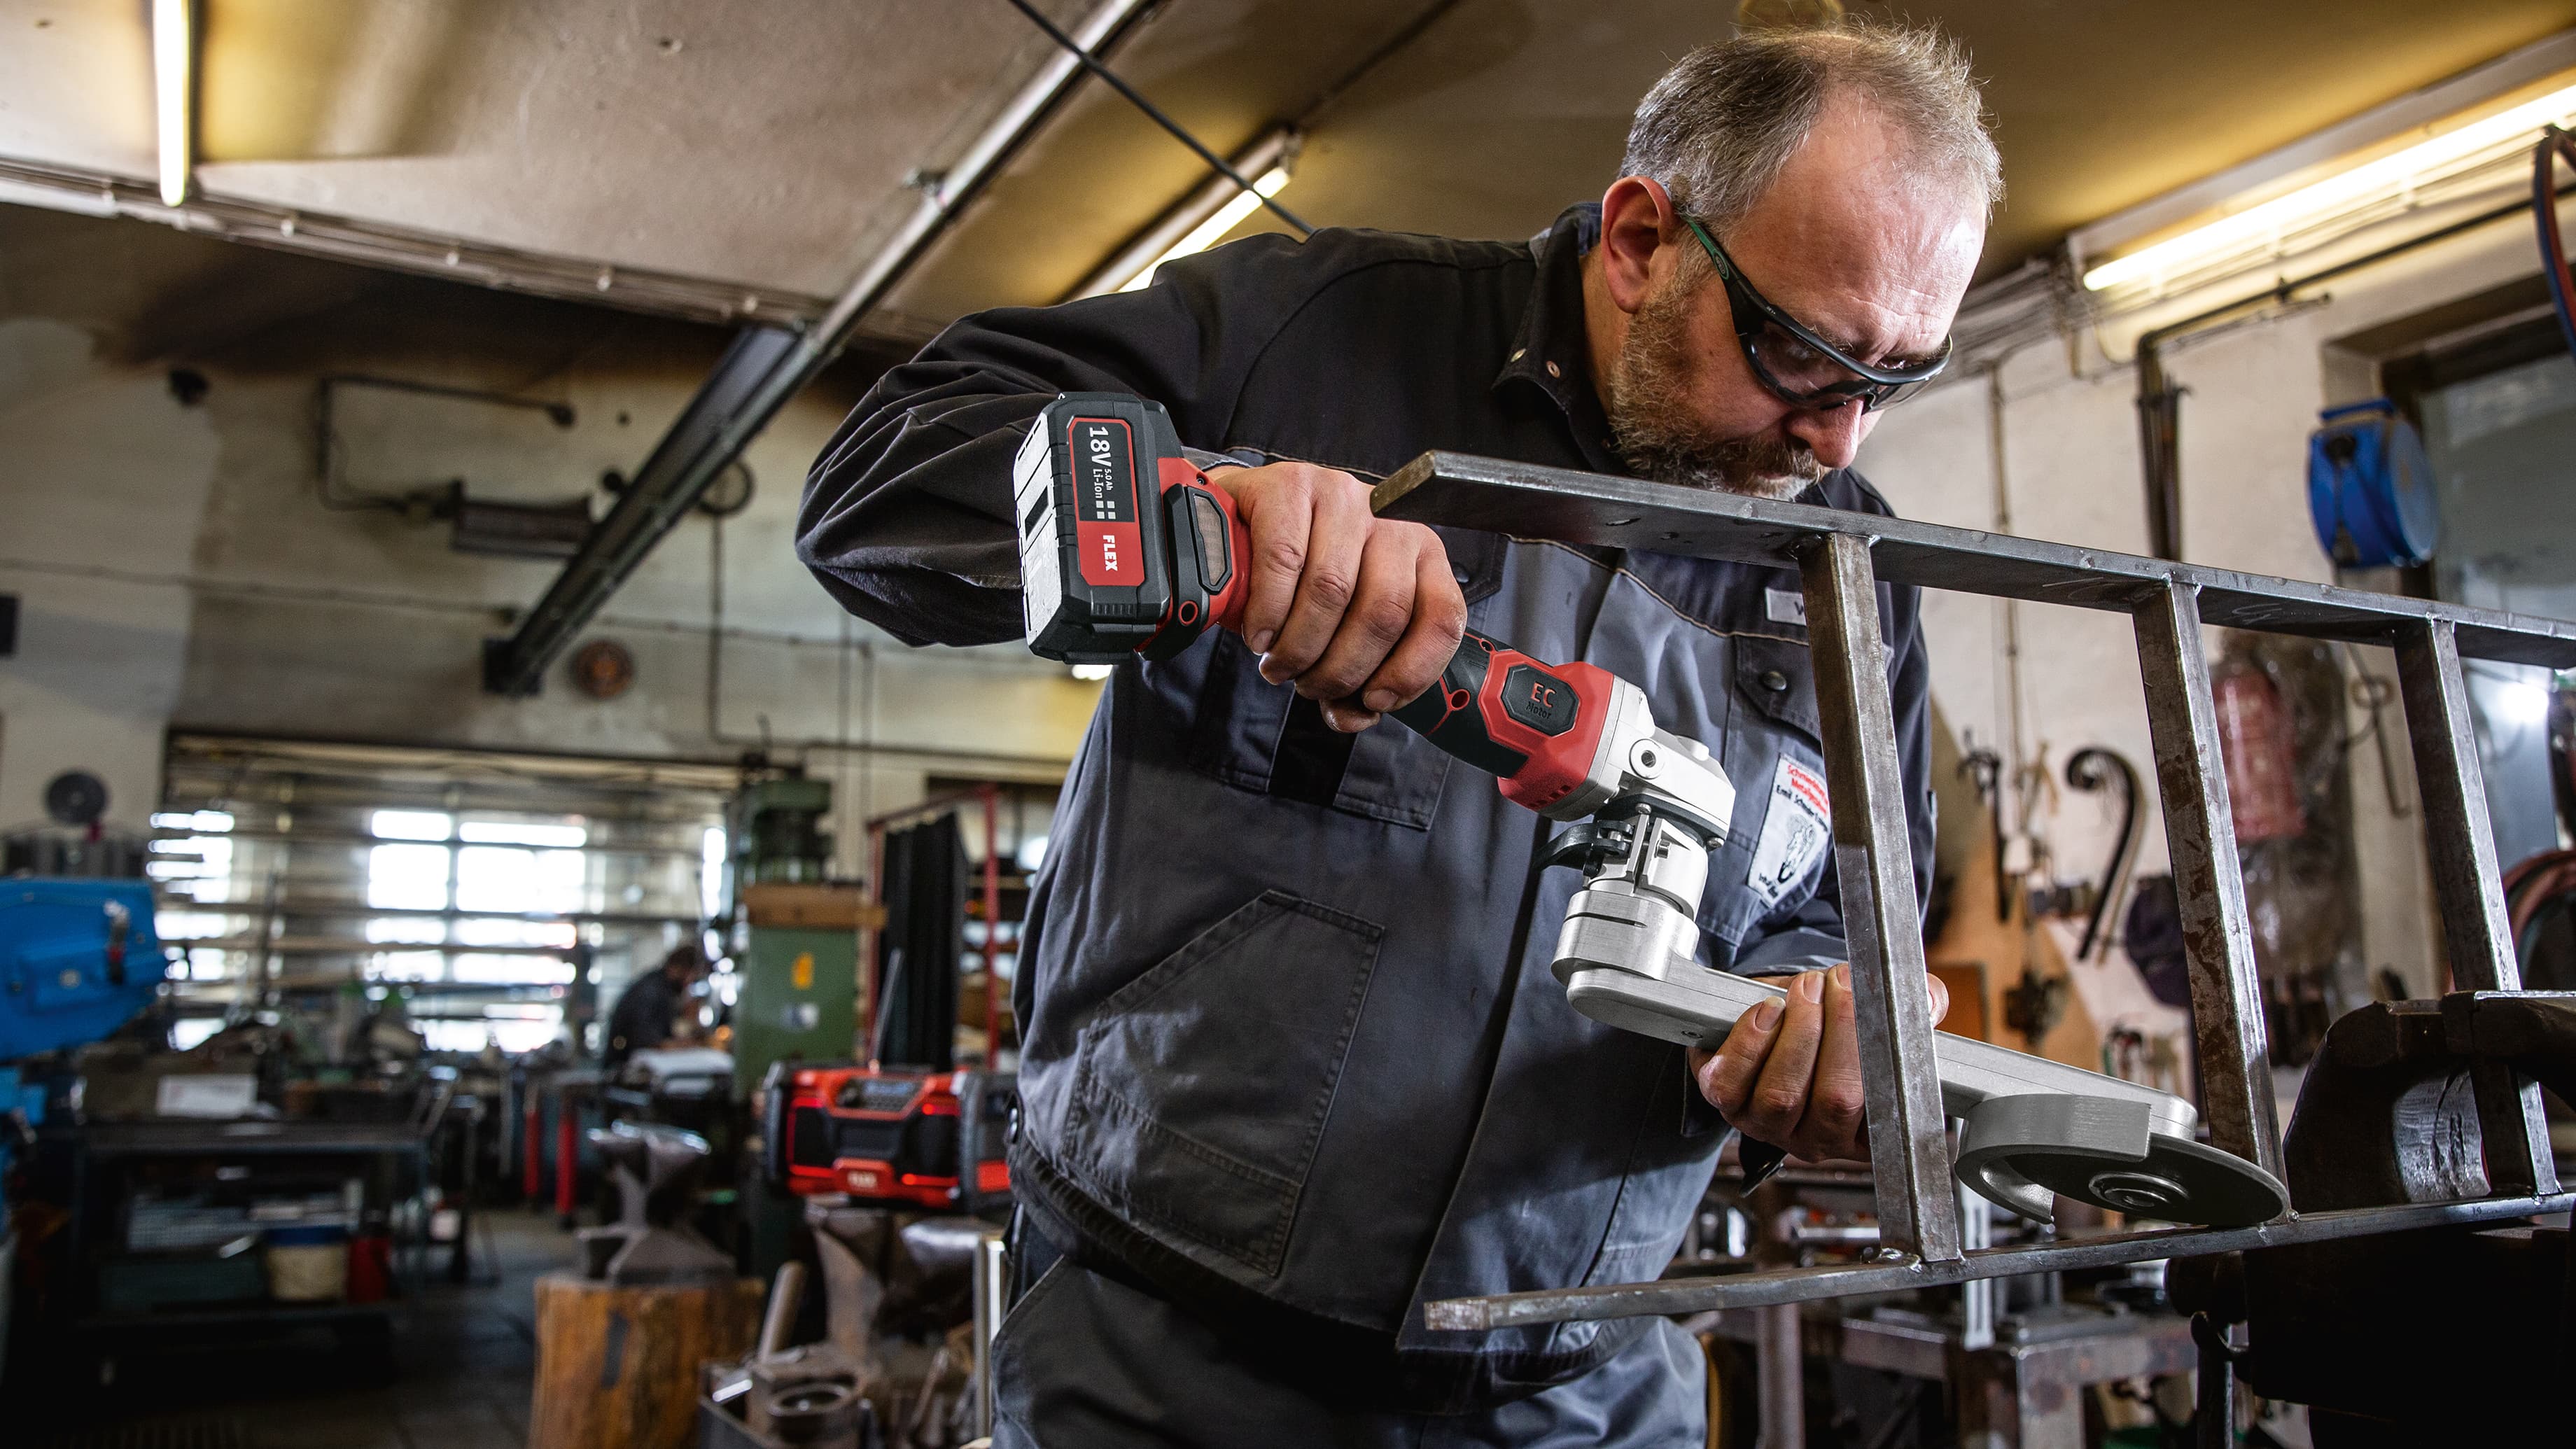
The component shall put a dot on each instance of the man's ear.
(1637, 219)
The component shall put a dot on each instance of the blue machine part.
(78, 958)
(26, 1104)
(2370, 488)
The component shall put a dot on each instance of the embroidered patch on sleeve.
(1796, 827)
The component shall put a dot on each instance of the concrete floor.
(463, 1365)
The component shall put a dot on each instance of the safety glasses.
(1797, 366)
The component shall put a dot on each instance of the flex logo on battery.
(1108, 540)
(1797, 825)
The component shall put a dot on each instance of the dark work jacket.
(1293, 1055)
(642, 1019)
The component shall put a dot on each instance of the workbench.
(392, 1159)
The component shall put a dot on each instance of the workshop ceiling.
(766, 143)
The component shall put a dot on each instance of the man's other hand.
(1789, 1073)
(1360, 612)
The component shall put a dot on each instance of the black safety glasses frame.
(1777, 366)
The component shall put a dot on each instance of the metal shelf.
(353, 910)
(218, 1315)
(172, 1138)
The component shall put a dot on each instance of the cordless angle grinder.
(1127, 548)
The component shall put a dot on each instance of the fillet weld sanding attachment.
(1127, 548)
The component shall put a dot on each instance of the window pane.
(411, 825)
(172, 925)
(408, 966)
(407, 877)
(503, 878)
(495, 832)
(207, 820)
(522, 1029)
(407, 930)
(472, 932)
(514, 970)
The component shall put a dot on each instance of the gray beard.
(1654, 432)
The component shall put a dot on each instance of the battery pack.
(1095, 565)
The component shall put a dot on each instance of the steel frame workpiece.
(1843, 560)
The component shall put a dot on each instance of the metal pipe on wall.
(2159, 399)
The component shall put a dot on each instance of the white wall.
(177, 569)
(94, 467)
(2072, 471)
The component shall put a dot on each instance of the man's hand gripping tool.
(1127, 548)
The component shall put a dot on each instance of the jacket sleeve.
(1815, 936)
(907, 513)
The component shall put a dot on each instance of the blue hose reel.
(2370, 488)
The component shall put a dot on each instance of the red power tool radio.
(1127, 548)
(918, 1139)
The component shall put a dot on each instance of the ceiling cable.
(1092, 63)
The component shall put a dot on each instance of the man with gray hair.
(1294, 1064)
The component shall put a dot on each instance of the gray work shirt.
(1293, 1056)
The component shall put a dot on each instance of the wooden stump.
(617, 1368)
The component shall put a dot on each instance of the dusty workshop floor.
(462, 1369)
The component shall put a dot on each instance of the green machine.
(795, 936)
(795, 944)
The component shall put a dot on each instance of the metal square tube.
(1697, 1294)
(1528, 501)
(2235, 1070)
(1874, 860)
(2468, 889)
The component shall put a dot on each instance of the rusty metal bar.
(1528, 501)
(1802, 1285)
(2235, 1071)
(2459, 841)
(1882, 922)
(1780, 1377)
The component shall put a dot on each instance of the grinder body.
(1127, 548)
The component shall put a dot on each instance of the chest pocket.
(1261, 737)
(1782, 842)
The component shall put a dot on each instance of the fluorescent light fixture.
(174, 62)
(1218, 206)
(1204, 235)
(2389, 185)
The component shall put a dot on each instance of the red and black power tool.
(1127, 548)
(883, 1135)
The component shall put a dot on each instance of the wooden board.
(811, 907)
(617, 1368)
(1967, 983)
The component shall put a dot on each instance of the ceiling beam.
(765, 367)
(405, 249)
